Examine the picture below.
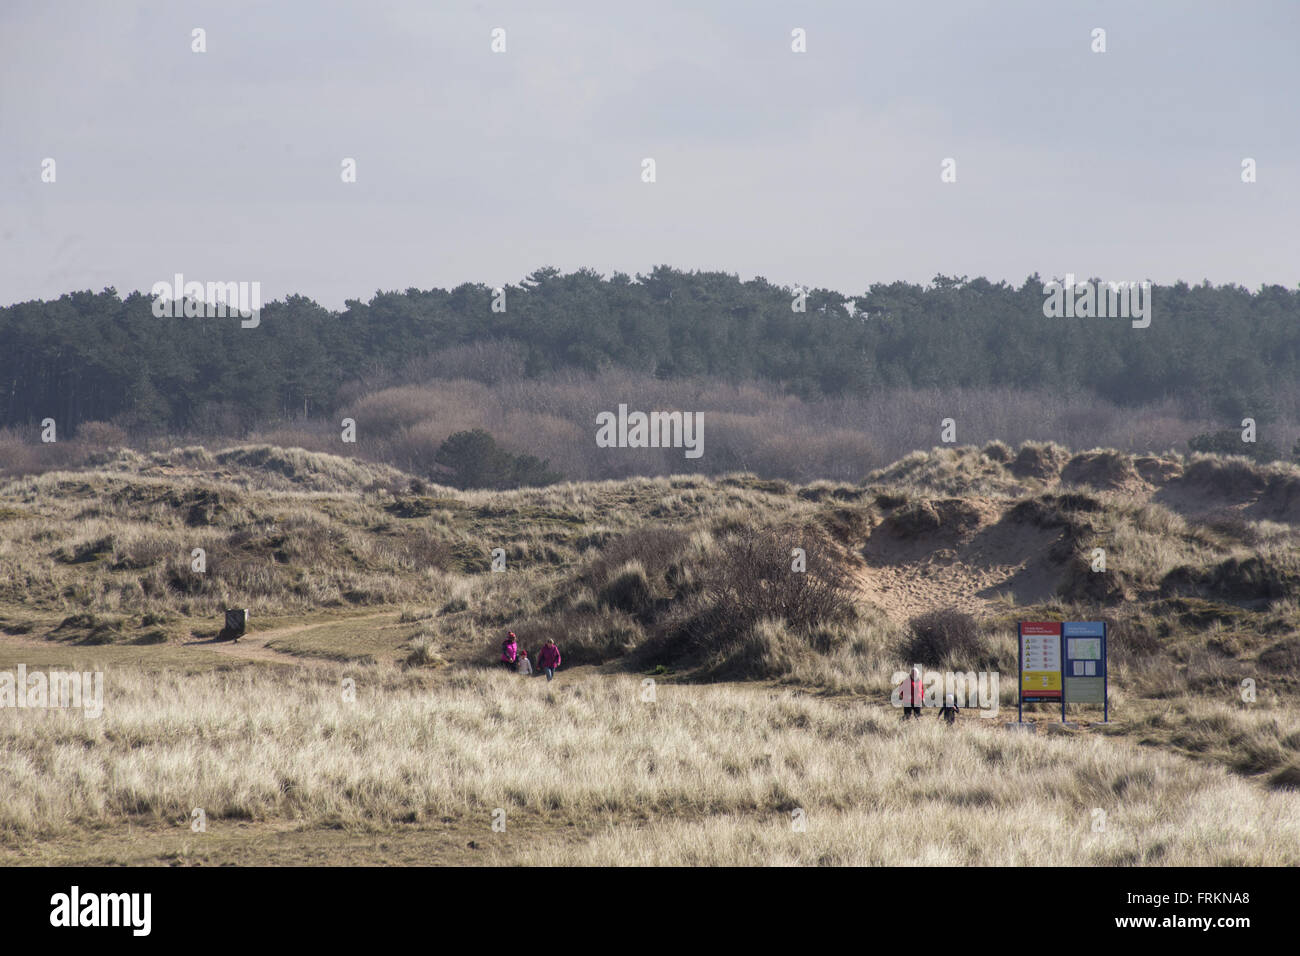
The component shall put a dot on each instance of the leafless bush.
(943, 635)
(753, 580)
(101, 436)
(404, 415)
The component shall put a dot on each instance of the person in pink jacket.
(549, 658)
(509, 651)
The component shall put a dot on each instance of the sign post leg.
(1062, 659)
(1105, 674)
(1020, 676)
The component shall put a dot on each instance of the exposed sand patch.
(919, 561)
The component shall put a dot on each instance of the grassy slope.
(351, 570)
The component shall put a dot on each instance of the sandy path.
(903, 592)
(253, 646)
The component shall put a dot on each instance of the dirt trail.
(253, 646)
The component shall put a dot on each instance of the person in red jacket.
(549, 658)
(912, 694)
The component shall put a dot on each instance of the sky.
(821, 168)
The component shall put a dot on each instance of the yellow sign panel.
(1040, 680)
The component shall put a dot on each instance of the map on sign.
(1084, 649)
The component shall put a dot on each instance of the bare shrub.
(386, 413)
(754, 580)
(942, 635)
(101, 436)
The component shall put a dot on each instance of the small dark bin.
(236, 624)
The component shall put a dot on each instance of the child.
(549, 658)
(509, 651)
(949, 709)
(523, 665)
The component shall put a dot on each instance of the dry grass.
(718, 772)
(662, 576)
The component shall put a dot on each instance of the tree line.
(100, 356)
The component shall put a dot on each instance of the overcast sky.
(821, 168)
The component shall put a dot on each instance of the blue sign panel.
(1083, 669)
